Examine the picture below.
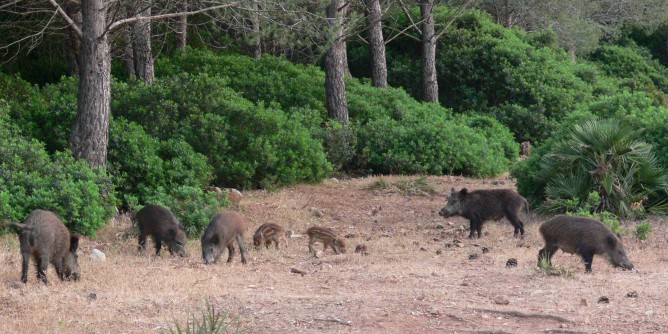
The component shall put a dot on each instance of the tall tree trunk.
(571, 52)
(142, 43)
(376, 45)
(73, 10)
(335, 86)
(429, 81)
(90, 134)
(128, 52)
(257, 39)
(182, 26)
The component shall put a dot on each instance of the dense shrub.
(248, 144)
(32, 179)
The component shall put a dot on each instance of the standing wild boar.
(266, 233)
(327, 237)
(479, 206)
(584, 236)
(44, 237)
(221, 233)
(161, 225)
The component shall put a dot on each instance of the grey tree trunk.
(376, 45)
(335, 69)
(128, 52)
(429, 81)
(257, 40)
(142, 43)
(73, 10)
(90, 137)
(182, 26)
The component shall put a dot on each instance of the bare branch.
(69, 20)
(165, 16)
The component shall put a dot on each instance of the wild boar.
(223, 229)
(582, 236)
(479, 206)
(266, 233)
(327, 237)
(161, 225)
(44, 237)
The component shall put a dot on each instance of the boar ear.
(453, 191)
(74, 243)
(611, 240)
(463, 192)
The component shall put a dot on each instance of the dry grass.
(410, 282)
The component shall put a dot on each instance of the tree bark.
(128, 52)
(335, 69)
(429, 81)
(73, 10)
(90, 137)
(257, 39)
(182, 26)
(142, 43)
(376, 45)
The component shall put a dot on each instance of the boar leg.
(230, 252)
(310, 246)
(588, 257)
(472, 228)
(142, 241)
(158, 245)
(242, 248)
(42, 265)
(275, 238)
(24, 267)
(517, 223)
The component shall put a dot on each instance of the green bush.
(643, 230)
(249, 145)
(32, 179)
(602, 156)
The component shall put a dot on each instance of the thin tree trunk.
(335, 86)
(90, 137)
(429, 81)
(73, 10)
(571, 52)
(257, 39)
(142, 43)
(182, 26)
(128, 52)
(376, 45)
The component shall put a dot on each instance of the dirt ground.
(420, 274)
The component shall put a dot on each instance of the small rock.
(563, 326)
(317, 212)
(423, 249)
(440, 226)
(451, 223)
(297, 271)
(473, 256)
(434, 312)
(334, 180)
(92, 296)
(501, 300)
(350, 235)
(361, 248)
(649, 313)
(584, 302)
(15, 285)
(485, 250)
(465, 284)
(603, 300)
(495, 182)
(97, 255)
(632, 294)
(318, 254)
(439, 251)
(511, 262)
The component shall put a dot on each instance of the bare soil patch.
(420, 274)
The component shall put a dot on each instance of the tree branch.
(165, 16)
(69, 20)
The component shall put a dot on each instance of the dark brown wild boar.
(44, 237)
(161, 225)
(582, 236)
(223, 229)
(268, 233)
(327, 237)
(479, 206)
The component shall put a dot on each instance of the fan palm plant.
(607, 157)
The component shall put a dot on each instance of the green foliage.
(212, 322)
(606, 157)
(340, 144)
(643, 230)
(249, 145)
(32, 179)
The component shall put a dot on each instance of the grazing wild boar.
(266, 233)
(220, 234)
(479, 206)
(44, 237)
(327, 237)
(162, 226)
(582, 236)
